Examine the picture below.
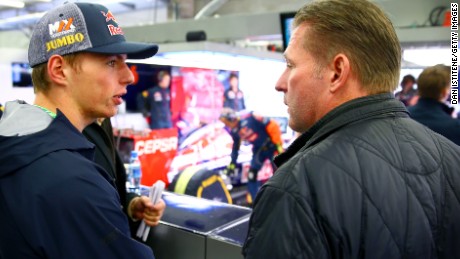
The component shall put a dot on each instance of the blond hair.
(433, 81)
(360, 30)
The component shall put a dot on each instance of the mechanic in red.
(263, 133)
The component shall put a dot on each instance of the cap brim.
(134, 50)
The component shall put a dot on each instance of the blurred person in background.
(157, 102)
(431, 109)
(233, 96)
(364, 180)
(407, 95)
(263, 133)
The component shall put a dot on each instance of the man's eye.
(111, 63)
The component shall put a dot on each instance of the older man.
(363, 180)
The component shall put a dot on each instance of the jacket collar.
(379, 105)
(431, 104)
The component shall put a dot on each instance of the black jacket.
(365, 181)
(158, 105)
(107, 156)
(438, 117)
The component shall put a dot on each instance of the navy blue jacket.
(436, 116)
(252, 129)
(234, 100)
(55, 202)
(158, 104)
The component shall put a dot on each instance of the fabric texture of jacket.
(365, 181)
(436, 116)
(55, 202)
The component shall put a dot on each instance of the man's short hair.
(162, 74)
(40, 77)
(232, 75)
(433, 81)
(360, 30)
(406, 79)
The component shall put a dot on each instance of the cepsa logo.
(151, 146)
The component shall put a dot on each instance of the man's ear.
(340, 72)
(56, 65)
(445, 94)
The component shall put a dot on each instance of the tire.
(201, 183)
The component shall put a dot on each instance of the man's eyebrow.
(121, 56)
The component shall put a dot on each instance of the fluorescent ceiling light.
(104, 2)
(21, 18)
(207, 59)
(12, 3)
(428, 56)
(212, 56)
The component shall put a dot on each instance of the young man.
(263, 133)
(430, 110)
(363, 180)
(55, 201)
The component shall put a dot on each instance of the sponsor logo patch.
(109, 16)
(152, 146)
(61, 28)
(64, 41)
(113, 29)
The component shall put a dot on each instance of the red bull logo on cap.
(109, 16)
(113, 29)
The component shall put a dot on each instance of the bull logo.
(109, 16)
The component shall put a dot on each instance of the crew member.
(157, 103)
(263, 133)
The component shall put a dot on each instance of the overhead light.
(427, 56)
(12, 3)
(21, 18)
(105, 2)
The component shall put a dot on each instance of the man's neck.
(66, 108)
